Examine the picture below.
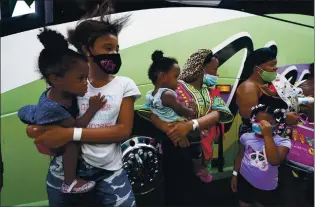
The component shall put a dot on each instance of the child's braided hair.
(278, 114)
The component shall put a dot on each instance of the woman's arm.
(246, 98)
(275, 155)
(161, 125)
(183, 128)
(57, 136)
(292, 118)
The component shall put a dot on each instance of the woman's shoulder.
(124, 79)
(128, 87)
(248, 88)
(123, 82)
(248, 85)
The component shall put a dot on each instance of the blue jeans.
(112, 187)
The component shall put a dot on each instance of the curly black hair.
(56, 58)
(159, 64)
(279, 114)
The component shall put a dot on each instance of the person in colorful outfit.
(162, 101)
(101, 151)
(255, 175)
(194, 90)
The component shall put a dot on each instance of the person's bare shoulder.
(247, 88)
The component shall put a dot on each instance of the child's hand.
(271, 90)
(234, 183)
(97, 102)
(266, 128)
(33, 131)
(292, 118)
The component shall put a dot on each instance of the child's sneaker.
(204, 176)
(78, 186)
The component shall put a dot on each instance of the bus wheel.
(142, 159)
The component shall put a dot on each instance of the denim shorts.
(112, 187)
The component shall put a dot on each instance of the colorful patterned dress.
(204, 101)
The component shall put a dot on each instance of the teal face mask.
(257, 130)
(210, 80)
(267, 76)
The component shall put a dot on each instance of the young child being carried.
(255, 175)
(66, 72)
(163, 102)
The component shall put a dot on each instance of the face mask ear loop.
(260, 69)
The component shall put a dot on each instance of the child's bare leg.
(72, 184)
(70, 161)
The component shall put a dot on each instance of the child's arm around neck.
(95, 104)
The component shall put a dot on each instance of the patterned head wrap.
(193, 67)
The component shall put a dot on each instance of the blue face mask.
(210, 80)
(257, 130)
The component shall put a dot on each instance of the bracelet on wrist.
(77, 134)
(195, 124)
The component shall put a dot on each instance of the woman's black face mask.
(109, 63)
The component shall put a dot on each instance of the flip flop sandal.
(82, 189)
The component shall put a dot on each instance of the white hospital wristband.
(77, 133)
(234, 173)
(195, 124)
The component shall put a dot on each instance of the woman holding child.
(194, 90)
(202, 107)
(101, 159)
